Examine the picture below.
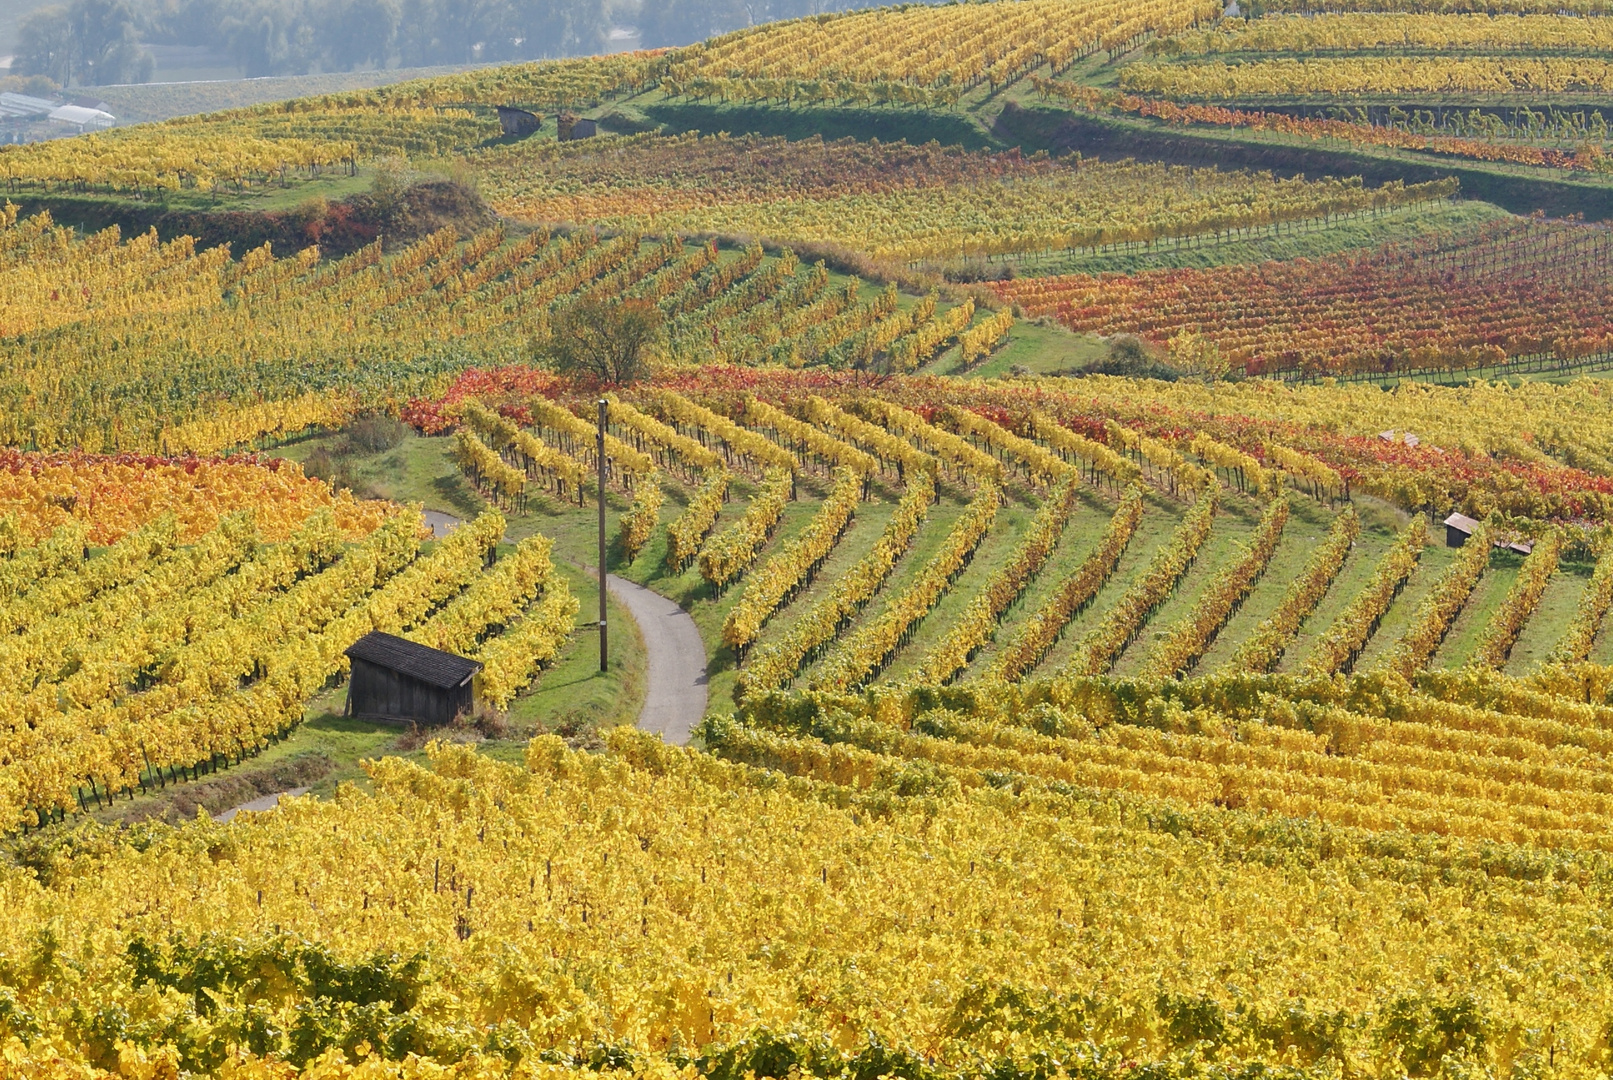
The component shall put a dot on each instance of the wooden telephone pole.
(604, 407)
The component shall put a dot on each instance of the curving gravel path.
(260, 804)
(441, 524)
(675, 698)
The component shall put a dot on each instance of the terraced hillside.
(1141, 476)
(931, 541)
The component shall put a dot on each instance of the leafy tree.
(45, 46)
(605, 341)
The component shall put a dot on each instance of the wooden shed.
(1458, 528)
(575, 127)
(517, 121)
(399, 680)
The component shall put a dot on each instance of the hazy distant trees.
(294, 37)
(471, 31)
(99, 41)
(680, 22)
(91, 42)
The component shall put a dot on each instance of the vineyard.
(942, 204)
(1378, 75)
(187, 639)
(922, 55)
(958, 532)
(1472, 134)
(269, 144)
(1111, 506)
(1087, 647)
(142, 346)
(1425, 63)
(1490, 297)
(1430, 33)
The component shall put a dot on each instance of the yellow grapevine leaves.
(114, 496)
(768, 586)
(1185, 641)
(1344, 640)
(688, 530)
(1265, 645)
(726, 554)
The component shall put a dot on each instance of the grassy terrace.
(1379, 526)
(1308, 523)
(1226, 543)
(1080, 539)
(1462, 641)
(1602, 651)
(1545, 627)
(860, 537)
(1160, 518)
(1435, 561)
(989, 557)
(943, 515)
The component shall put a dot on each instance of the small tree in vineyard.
(604, 341)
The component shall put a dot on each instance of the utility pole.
(604, 410)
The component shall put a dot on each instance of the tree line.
(104, 42)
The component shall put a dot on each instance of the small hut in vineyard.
(515, 121)
(1459, 528)
(396, 679)
(571, 126)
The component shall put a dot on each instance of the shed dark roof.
(431, 666)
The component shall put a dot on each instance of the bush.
(1131, 356)
(376, 432)
(976, 269)
(336, 471)
(321, 465)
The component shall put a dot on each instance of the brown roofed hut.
(517, 122)
(1458, 529)
(399, 680)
